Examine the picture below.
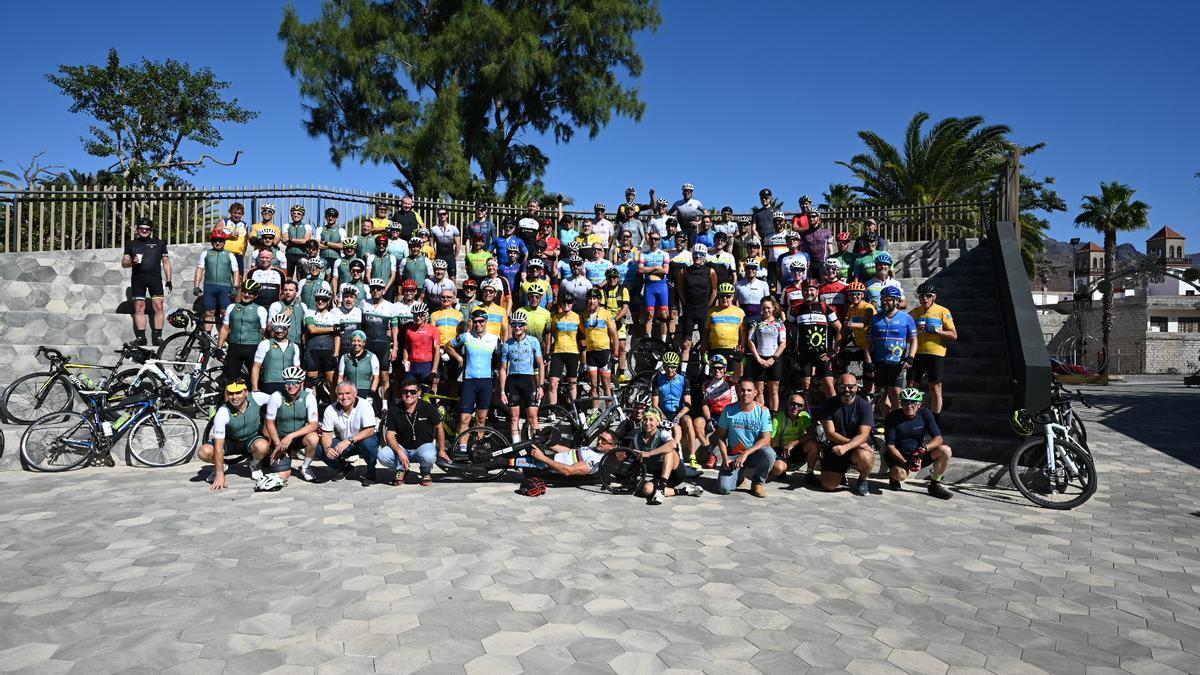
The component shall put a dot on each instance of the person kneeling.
(905, 431)
(794, 440)
(746, 427)
(659, 451)
(848, 420)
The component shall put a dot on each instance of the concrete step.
(959, 245)
(977, 403)
(20, 360)
(976, 423)
(977, 348)
(998, 383)
(987, 448)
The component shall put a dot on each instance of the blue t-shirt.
(478, 355)
(743, 427)
(501, 244)
(889, 337)
(670, 391)
(510, 271)
(630, 277)
(521, 355)
(706, 238)
(596, 269)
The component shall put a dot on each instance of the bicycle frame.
(1052, 431)
(592, 430)
(190, 369)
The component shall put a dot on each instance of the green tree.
(1036, 196)
(957, 159)
(840, 196)
(144, 113)
(443, 89)
(1112, 211)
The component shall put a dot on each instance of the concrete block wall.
(1174, 353)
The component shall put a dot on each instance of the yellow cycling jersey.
(257, 229)
(725, 327)
(566, 332)
(857, 318)
(928, 321)
(539, 318)
(379, 225)
(497, 320)
(236, 244)
(447, 321)
(596, 329)
(541, 284)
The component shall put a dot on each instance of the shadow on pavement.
(1160, 419)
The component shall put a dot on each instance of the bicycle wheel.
(180, 347)
(622, 471)
(1058, 489)
(163, 438)
(59, 441)
(647, 355)
(475, 446)
(209, 394)
(35, 395)
(639, 383)
(1078, 431)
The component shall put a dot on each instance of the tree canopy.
(144, 113)
(447, 91)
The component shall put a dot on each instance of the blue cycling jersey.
(670, 391)
(630, 277)
(510, 272)
(655, 258)
(889, 337)
(501, 244)
(479, 354)
(521, 355)
(595, 270)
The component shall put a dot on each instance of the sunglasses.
(478, 320)
(796, 404)
(925, 295)
(847, 387)
(410, 392)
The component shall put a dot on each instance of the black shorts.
(888, 374)
(654, 470)
(795, 457)
(811, 362)
(521, 391)
(142, 286)
(599, 359)
(564, 365)
(930, 365)
(836, 463)
(857, 356)
(450, 369)
(320, 361)
(729, 355)
(771, 373)
(381, 350)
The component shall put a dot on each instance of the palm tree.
(840, 196)
(957, 159)
(1108, 213)
(6, 180)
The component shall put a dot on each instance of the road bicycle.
(192, 343)
(1054, 470)
(155, 436)
(194, 388)
(32, 396)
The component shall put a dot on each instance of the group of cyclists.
(760, 330)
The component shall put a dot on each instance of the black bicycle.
(56, 389)
(192, 343)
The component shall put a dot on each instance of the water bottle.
(87, 381)
(107, 427)
(184, 384)
(121, 421)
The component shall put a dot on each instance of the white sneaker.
(656, 498)
(689, 490)
(256, 474)
(306, 473)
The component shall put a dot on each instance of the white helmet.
(688, 186)
(439, 264)
(778, 215)
(519, 316)
(314, 264)
(494, 284)
(377, 282)
(283, 321)
(700, 248)
(292, 374)
(536, 262)
(268, 206)
(419, 308)
(270, 482)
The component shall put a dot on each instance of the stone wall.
(1175, 353)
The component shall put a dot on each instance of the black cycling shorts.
(320, 361)
(930, 365)
(382, 350)
(836, 463)
(599, 360)
(771, 373)
(564, 365)
(521, 390)
(889, 374)
(654, 471)
(811, 362)
(142, 286)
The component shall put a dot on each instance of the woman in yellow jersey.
(935, 327)
(562, 340)
(600, 329)
(722, 332)
(236, 232)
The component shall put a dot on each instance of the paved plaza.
(110, 570)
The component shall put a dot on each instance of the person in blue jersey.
(521, 374)
(477, 349)
(744, 442)
(671, 393)
(892, 345)
(654, 265)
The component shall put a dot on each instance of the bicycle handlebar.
(52, 355)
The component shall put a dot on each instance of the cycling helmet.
(440, 264)
(575, 260)
(792, 235)
(574, 246)
(891, 292)
(727, 209)
(630, 191)
(470, 285)
(357, 264)
(599, 206)
(856, 287)
(349, 289)
(725, 288)
(927, 287)
(700, 249)
(419, 309)
(297, 208)
(251, 286)
(423, 232)
(640, 397)
(812, 283)
(797, 264)
(513, 248)
(595, 293)
(832, 264)
(179, 318)
(535, 262)
(518, 318)
(267, 234)
(376, 282)
(532, 487)
(1022, 422)
(270, 482)
(494, 284)
(884, 257)
(718, 360)
(765, 192)
(314, 264)
(612, 273)
(777, 215)
(218, 234)
(331, 211)
(671, 359)
(349, 244)
(689, 186)
(381, 239)
(805, 198)
(414, 241)
(912, 394)
(661, 201)
(292, 375)
(281, 321)
(843, 236)
(267, 207)
(323, 293)
(408, 285)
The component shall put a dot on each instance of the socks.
(307, 462)
(935, 477)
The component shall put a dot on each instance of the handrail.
(1029, 362)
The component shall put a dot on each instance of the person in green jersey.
(236, 430)
(793, 435)
(273, 356)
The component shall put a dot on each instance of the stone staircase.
(978, 383)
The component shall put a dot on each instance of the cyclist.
(793, 435)
(705, 234)
(334, 242)
(266, 223)
(816, 239)
(477, 258)
(615, 298)
(566, 461)
(671, 393)
(659, 221)
(600, 330)
(833, 290)
(295, 236)
(538, 317)
(417, 264)
(844, 256)
(382, 265)
(854, 330)
(481, 227)
(660, 453)
(817, 328)
(235, 229)
(575, 288)
(793, 293)
(290, 424)
(697, 286)
(413, 431)
(422, 347)
(883, 279)
(447, 241)
(499, 282)
(626, 261)
(655, 266)
(935, 327)
(744, 443)
(688, 210)
(497, 318)
(382, 328)
(438, 282)
(848, 421)
(349, 318)
(340, 270)
(357, 281)
(359, 366)
(268, 242)
(512, 269)
(403, 304)
(596, 266)
(535, 281)
(236, 430)
(727, 225)
(680, 256)
(776, 245)
(288, 305)
(471, 301)
(242, 328)
(630, 228)
(321, 326)
(562, 344)
(449, 322)
(867, 254)
(521, 375)
(269, 277)
(905, 432)
(721, 260)
(793, 253)
(892, 335)
(479, 349)
(763, 216)
(273, 355)
(715, 394)
(750, 292)
(723, 332)
(147, 259)
(217, 275)
(530, 223)
(767, 339)
(500, 247)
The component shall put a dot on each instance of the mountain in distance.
(1060, 255)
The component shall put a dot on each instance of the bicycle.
(194, 387)
(1053, 470)
(191, 344)
(154, 436)
(32, 396)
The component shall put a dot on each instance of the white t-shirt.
(603, 228)
(221, 419)
(260, 354)
(345, 425)
(751, 291)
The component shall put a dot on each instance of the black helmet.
(331, 211)
(179, 318)
(927, 288)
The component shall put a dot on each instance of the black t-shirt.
(848, 419)
(152, 251)
(407, 220)
(763, 222)
(416, 428)
(908, 434)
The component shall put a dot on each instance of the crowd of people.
(770, 327)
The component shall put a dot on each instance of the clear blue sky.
(739, 95)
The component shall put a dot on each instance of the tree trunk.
(1106, 320)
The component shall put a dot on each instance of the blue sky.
(739, 95)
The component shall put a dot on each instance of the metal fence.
(73, 218)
